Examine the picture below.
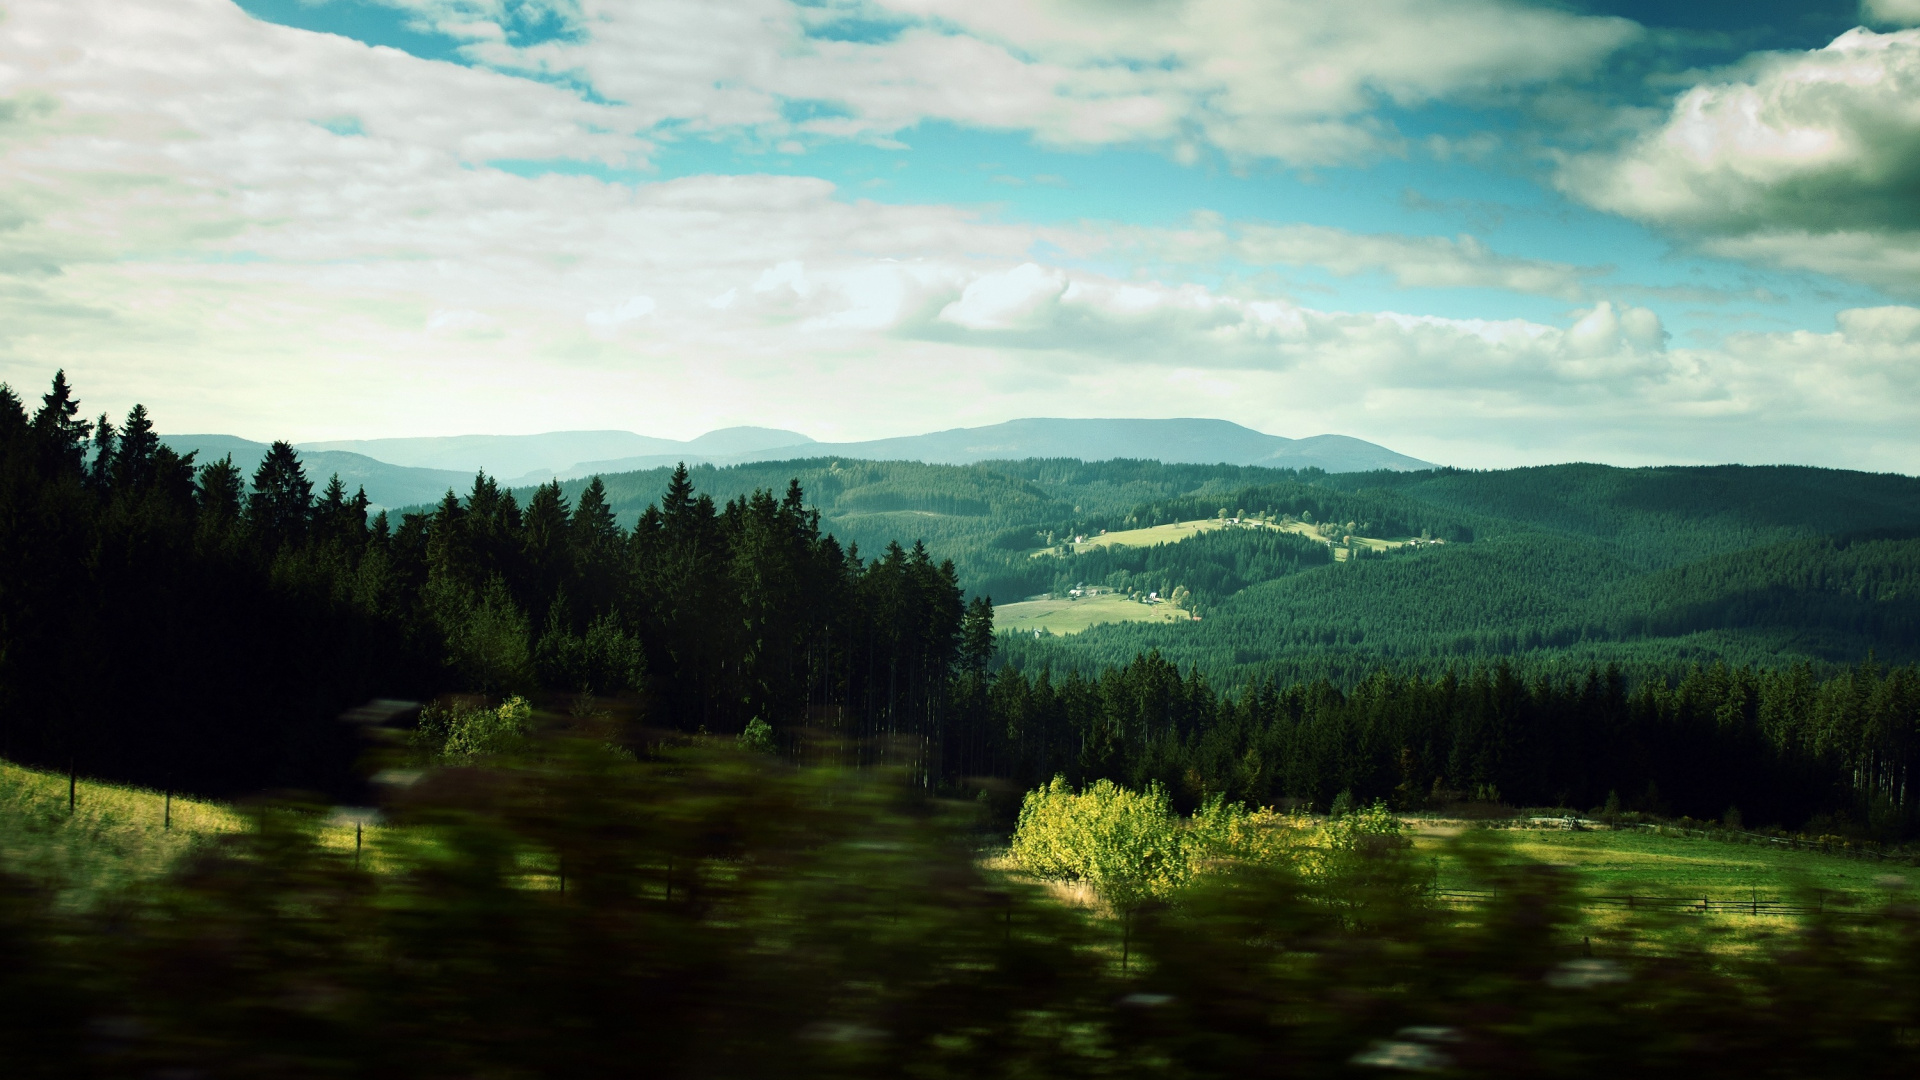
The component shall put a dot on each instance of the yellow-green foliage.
(1131, 846)
(1355, 838)
(463, 733)
(114, 835)
(1228, 832)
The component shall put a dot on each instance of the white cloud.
(1890, 12)
(636, 307)
(1296, 80)
(1005, 300)
(183, 234)
(1804, 159)
(1880, 326)
(1423, 261)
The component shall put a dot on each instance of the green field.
(1158, 534)
(1651, 863)
(1073, 616)
(1183, 530)
(115, 836)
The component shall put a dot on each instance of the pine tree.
(13, 416)
(219, 491)
(105, 441)
(56, 427)
(280, 507)
(133, 464)
(594, 528)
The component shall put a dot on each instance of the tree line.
(171, 622)
(1778, 747)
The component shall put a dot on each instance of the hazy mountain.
(1187, 441)
(745, 440)
(402, 472)
(527, 459)
(387, 485)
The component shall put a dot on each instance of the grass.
(1648, 863)
(117, 835)
(114, 836)
(1645, 862)
(1182, 530)
(1158, 534)
(1073, 616)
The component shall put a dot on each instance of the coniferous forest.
(172, 623)
(704, 786)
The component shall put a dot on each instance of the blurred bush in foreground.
(573, 911)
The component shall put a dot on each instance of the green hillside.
(1556, 567)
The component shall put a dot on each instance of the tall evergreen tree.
(61, 434)
(133, 466)
(280, 507)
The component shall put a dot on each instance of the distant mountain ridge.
(1183, 441)
(387, 485)
(536, 458)
(409, 471)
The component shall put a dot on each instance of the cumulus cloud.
(1006, 299)
(200, 243)
(1890, 12)
(1805, 159)
(1417, 261)
(1296, 80)
(636, 307)
(1432, 262)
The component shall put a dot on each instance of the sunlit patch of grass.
(1664, 866)
(113, 836)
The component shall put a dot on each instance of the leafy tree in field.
(1128, 845)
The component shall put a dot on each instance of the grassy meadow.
(1648, 862)
(1177, 531)
(115, 835)
(1070, 616)
(1667, 865)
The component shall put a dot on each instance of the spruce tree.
(280, 507)
(133, 464)
(105, 441)
(61, 434)
(218, 491)
(13, 416)
(594, 527)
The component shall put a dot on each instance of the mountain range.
(410, 471)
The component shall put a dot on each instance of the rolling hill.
(567, 455)
(1559, 566)
(386, 485)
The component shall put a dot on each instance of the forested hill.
(1562, 566)
(170, 622)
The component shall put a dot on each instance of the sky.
(1486, 233)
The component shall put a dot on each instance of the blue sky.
(1486, 232)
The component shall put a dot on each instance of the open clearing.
(1158, 534)
(114, 836)
(1182, 530)
(1073, 616)
(1644, 862)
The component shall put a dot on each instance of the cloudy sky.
(1483, 232)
